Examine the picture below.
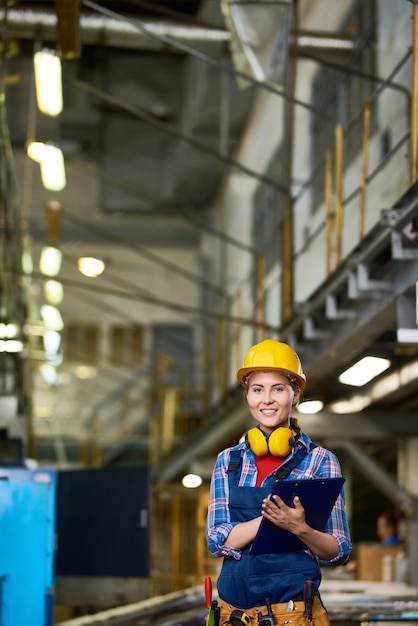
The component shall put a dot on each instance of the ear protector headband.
(279, 443)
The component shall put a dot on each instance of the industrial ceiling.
(154, 111)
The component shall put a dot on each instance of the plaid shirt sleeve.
(218, 523)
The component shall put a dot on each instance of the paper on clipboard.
(317, 496)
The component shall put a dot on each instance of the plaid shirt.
(320, 463)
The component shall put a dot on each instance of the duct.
(377, 475)
(102, 30)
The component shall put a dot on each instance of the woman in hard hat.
(242, 481)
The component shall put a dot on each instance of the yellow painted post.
(168, 417)
(414, 99)
(339, 208)
(364, 168)
(328, 212)
(238, 344)
(261, 294)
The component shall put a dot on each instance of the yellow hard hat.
(272, 355)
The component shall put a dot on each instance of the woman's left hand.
(289, 518)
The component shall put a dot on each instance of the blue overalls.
(247, 582)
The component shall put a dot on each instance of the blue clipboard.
(317, 496)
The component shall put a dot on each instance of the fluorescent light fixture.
(53, 292)
(49, 374)
(51, 161)
(27, 263)
(84, 372)
(11, 345)
(191, 481)
(53, 168)
(48, 82)
(50, 261)
(52, 318)
(90, 266)
(52, 341)
(364, 371)
(310, 406)
(35, 150)
(8, 331)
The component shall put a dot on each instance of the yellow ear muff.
(279, 442)
(257, 441)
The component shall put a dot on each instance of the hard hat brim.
(244, 371)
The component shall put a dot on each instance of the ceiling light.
(52, 341)
(51, 161)
(11, 345)
(53, 168)
(53, 292)
(8, 331)
(191, 481)
(52, 318)
(50, 261)
(49, 374)
(310, 406)
(364, 371)
(84, 372)
(48, 82)
(90, 266)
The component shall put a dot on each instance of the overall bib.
(247, 582)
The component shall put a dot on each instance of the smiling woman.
(243, 479)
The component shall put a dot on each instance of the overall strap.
(234, 467)
(284, 470)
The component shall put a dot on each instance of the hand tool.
(266, 619)
(208, 591)
(212, 605)
(239, 618)
(308, 598)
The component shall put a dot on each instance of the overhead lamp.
(11, 345)
(49, 374)
(310, 406)
(50, 261)
(364, 371)
(53, 292)
(90, 266)
(52, 341)
(191, 481)
(52, 317)
(51, 161)
(48, 82)
(8, 331)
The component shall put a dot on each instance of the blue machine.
(27, 529)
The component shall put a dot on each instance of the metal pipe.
(101, 30)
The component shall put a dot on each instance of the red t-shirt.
(266, 465)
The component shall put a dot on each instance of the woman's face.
(270, 398)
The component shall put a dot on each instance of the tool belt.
(284, 614)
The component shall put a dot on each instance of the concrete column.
(407, 476)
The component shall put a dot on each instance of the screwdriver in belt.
(308, 598)
(212, 605)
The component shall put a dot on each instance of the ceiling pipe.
(101, 30)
